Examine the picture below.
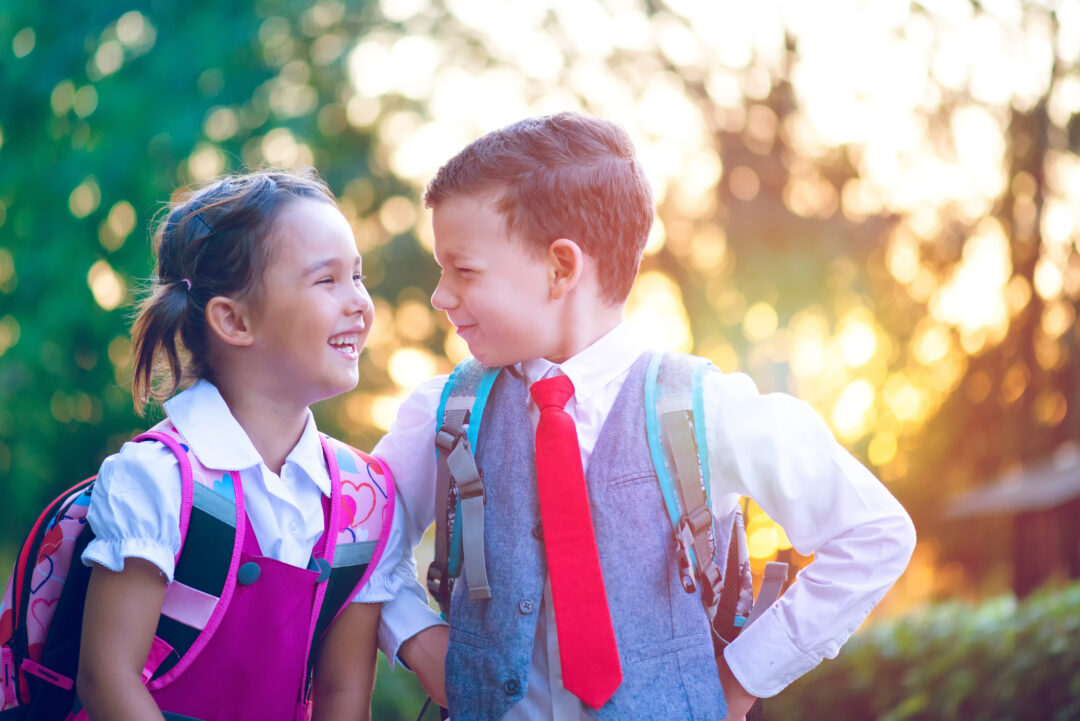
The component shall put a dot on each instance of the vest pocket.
(459, 635)
(633, 478)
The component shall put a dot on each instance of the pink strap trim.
(384, 533)
(187, 482)
(159, 651)
(188, 605)
(226, 593)
(81, 716)
(36, 669)
(7, 669)
(333, 525)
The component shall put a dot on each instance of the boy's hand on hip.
(738, 699)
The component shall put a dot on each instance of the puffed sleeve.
(135, 508)
(396, 566)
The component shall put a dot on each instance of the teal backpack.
(711, 552)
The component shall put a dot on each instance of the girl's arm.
(345, 669)
(119, 620)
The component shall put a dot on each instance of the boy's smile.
(493, 289)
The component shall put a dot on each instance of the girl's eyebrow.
(319, 265)
(326, 263)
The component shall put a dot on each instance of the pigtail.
(153, 339)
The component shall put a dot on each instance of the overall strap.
(459, 484)
(677, 444)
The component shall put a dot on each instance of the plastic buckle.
(445, 438)
(438, 580)
(699, 519)
(473, 487)
(712, 583)
(684, 541)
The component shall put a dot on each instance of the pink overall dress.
(250, 657)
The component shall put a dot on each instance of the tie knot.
(552, 392)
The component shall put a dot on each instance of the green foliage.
(398, 695)
(1000, 660)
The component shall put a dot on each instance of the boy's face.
(495, 292)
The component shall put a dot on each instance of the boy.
(539, 228)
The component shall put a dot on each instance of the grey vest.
(665, 648)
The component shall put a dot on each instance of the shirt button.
(538, 532)
(511, 687)
(294, 528)
(526, 605)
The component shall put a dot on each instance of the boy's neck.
(581, 329)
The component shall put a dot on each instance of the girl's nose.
(361, 300)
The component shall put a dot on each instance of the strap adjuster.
(684, 541)
(438, 581)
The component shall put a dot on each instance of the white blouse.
(135, 508)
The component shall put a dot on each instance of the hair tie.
(186, 282)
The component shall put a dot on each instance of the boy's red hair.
(561, 176)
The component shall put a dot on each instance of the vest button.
(511, 687)
(526, 605)
(248, 573)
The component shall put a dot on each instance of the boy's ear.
(229, 321)
(565, 265)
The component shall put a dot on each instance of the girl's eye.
(327, 279)
(358, 278)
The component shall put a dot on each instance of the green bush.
(1000, 660)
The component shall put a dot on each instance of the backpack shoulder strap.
(366, 503)
(212, 529)
(459, 484)
(677, 444)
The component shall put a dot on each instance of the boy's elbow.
(904, 540)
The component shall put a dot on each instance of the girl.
(259, 300)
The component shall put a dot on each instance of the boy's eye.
(358, 278)
(325, 279)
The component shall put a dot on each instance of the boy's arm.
(778, 451)
(409, 450)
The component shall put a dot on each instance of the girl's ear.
(229, 321)
(565, 265)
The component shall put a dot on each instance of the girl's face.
(313, 311)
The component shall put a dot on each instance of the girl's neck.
(273, 425)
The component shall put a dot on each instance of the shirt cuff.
(404, 616)
(111, 554)
(764, 658)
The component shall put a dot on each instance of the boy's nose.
(442, 299)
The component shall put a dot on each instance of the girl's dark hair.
(214, 241)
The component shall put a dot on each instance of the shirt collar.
(606, 359)
(204, 420)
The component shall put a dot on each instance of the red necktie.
(587, 649)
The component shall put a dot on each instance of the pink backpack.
(41, 609)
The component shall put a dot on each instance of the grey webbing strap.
(696, 522)
(466, 475)
(772, 583)
(439, 582)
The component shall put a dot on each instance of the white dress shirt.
(772, 448)
(135, 507)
